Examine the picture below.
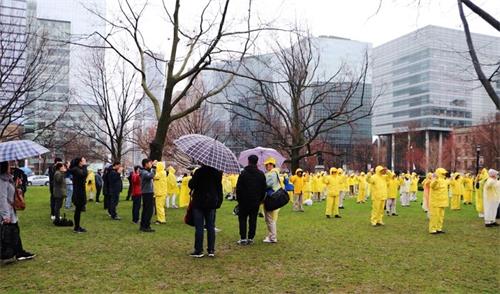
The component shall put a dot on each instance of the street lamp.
(478, 151)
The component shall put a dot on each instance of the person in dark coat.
(59, 189)
(51, 187)
(129, 191)
(105, 185)
(78, 169)
(206, 185)
(98, 184)
(115, 187)
(147, 172)
(250, 191)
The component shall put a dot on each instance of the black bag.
(9, 238)
(278, 199)
(188, 218)
(63, 222)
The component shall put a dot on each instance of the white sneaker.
(217, 230)
(267, 240)
(52, 217)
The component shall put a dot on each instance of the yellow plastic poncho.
(172, 188)
(160, 183)
(185, 198)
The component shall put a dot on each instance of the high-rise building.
(12, 53)
(424, 84)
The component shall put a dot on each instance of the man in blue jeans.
(206, 185)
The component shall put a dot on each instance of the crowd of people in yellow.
(382, 186)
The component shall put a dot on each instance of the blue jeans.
(204, 218)
(69, 194)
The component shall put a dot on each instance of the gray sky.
(353, 19)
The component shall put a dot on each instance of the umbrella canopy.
(27, 171)
(20, 149)
(263, 154)
(208, 151)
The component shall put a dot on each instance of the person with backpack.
(206, 185)
(250, 191)
(11, 245)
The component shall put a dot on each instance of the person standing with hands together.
(78, 169)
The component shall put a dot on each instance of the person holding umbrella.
(206, 184)
(12, 246)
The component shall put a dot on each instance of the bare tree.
(210, 40)
(27, 74)
(300, 106)
(116, 98)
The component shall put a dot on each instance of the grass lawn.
(314, 254)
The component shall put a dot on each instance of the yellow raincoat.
(160, 185)
(184, 197)
(362, 188)
(378, 186)
(456, 188)
(333, 186)
(480, 179)
(438, 200)
(90, 185)
(468, 183)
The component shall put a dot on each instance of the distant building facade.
(425, 84)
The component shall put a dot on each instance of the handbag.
(277, 199)
(188, 218)
(19, 203)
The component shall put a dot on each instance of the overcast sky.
(353, 19)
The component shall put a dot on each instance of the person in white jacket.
(405, 190)
(491, 198)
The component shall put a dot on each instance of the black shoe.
(341, 207)
(79, 230)
(249, 242)
(211, 254)
(261, 214)
(197, 254)
(440, 232)
(434, 233)
(338, 216)
(328, 216)
(91, 200)
(394, 214)
(242, 242)
(491, 225)
(25, 255)
(147, 230)
(6, 261)
(135, 222)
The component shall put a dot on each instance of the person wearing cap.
(298, 182)
(491, 198)
(378, 183)
(438, 200)
(273, 183)
(333, 184)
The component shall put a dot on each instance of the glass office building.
(425, 81)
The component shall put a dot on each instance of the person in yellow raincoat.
(413, 187)
(344, 187)
(378, 185)
(393, 191)
(468, 183)
(273, 183)
(479, 185)
(172, 188)
(491, 198)
(333, 184)
(307, 186)
(298, 182)
(315, 187)
(351, 181)
(361, 188)
(160, 186)
(438, 200)
(456, 188)
(185, 193)
(427, 189)
(227, 187)
(90, 185)
(234, 179)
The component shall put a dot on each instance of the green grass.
(314, 254)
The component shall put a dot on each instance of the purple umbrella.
(263, 154)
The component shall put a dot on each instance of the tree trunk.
(295, 161)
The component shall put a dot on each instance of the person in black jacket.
(98, 185)
(115, 187)
(206, 186)
(250, 191)
(78, 169)
(105, 185)
(51, 187)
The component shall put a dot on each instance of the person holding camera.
(148, 172)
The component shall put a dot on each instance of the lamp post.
(478, 152)
(411, 157)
